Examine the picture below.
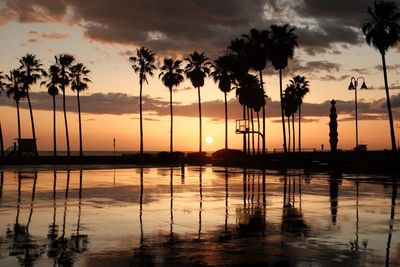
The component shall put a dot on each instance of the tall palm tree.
(257, 50)
(33, 71)
(53, 84)
(301, 87)
(171, 75)
(142, 63)
(15, 87)
(79, 83)
(240, 67)
(290, 107)
(1, 131)
(381, 30)
(64, 62)
(223, 74)
(282, 44)
(196, 70)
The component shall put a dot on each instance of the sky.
(104, 34)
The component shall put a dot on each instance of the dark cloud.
(48, 36)
(120, 103)
(180, 26)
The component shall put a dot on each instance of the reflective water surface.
(198, 216)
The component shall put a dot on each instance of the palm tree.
(257, 50)
(301, 87)
(381, 30)
(223, 74)
(142, 63)
(171, 75)
(240, 67)
(196, 70)
(290, 107)
(64, 62)
(1, 132)
(53, 84)
(79, 82)
(33, 71)
(15, 87)
(282, 44)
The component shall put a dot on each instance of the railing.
(11, 151)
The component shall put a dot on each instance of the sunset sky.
(103, 34)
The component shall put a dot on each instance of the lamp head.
(351, 86)
(364, 86)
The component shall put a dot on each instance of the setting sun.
(209, 140)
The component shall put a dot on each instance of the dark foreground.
(202, 216)
(371, 161)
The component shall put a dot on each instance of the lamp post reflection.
(353, 86)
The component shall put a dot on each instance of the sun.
(209, 140)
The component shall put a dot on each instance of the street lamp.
(353, 86)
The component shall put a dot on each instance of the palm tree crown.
(15, 85)
(222, 72)
(282, 44)
(54, 80)
(64, 62)
(79, 77)
(301, 87)
(257, 48)
(33, 69)
(171, 73)
(143, 63)
(381, 29)
(197, 68)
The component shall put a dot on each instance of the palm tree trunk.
(1, 142)
(66, 123)
(54, 127)
(389, 106)
(80, 125)
(299, 128)
(171, 149)
(249, 134)
(258, 136)
(252, 128)
(32, 122)
(141, 118)
(201, 132)
(282, 112)
(19, 128)
(293, 135)
(226, 120)
(263, 115)
(244, 134)
(288, 123)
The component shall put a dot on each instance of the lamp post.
(353, 86)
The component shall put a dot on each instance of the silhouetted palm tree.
(290, 107)
(196, 70)
(257, 50)
(223, 74)
(282, 44)
(1, 131)
(171, 75)
(53, 83)
(240, 67)
(381, 31)
(79, 82)
(15, 88)
(64, 62)
(301, 88)
(142, 63)
(33, 71)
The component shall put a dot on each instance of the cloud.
(48, 36)
(121, 104)
(181, 26)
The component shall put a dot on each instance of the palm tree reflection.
(392, 213)
(171, 186)
(252, 217)
(292, 218)
(201, 201)
(1, 183)
(141, 207)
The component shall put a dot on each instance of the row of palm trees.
(63, 73)
(234, 69)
